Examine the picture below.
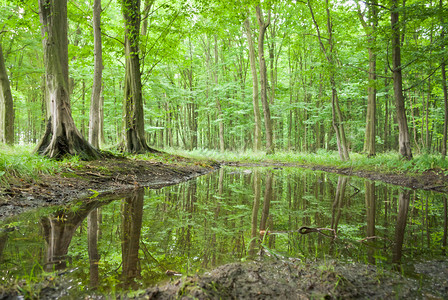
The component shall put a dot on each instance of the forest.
(350, 76)
(223, 149)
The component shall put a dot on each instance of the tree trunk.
(134, 126)
(6, 105)
(337, 119)
(218, 102)
(445, 93)
(262, 26)
(61, 137)
(94, 118)
(370, 28)
(253, 68)
(404, 143)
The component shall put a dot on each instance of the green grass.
(19, 163)
(389, 162)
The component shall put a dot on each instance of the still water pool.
(234, 214)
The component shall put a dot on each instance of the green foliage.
(20, 163)
(389, 162)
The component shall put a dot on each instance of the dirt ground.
(279, 278)
(434, 180)
(108, 176)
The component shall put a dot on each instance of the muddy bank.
(115, 175)
(287, 279)
(283, 279)
(87, 179)
(434, 180)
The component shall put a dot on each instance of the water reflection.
(149, 235)
(58, 231)
(403, 206)
(370, 216)
(131, 226)
(93, 220)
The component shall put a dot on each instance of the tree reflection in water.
(131, 226)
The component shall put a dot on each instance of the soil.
(279, 278)
(433, 180)
(261, 279)
(286, 279)
(100, 177)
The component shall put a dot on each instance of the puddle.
(150, 236)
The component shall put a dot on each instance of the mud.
(278, 279)
(287, 279)
(434, 180)
(111, 176)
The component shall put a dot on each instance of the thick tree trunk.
(262, 26)
(132, 212)
(62, 137)
(95, 102)
(6, 105)
(134, 136)
(404, 143)
(253, 68)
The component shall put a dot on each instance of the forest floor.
(115, 175)
(251, 280)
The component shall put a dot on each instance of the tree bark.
(404, 143)
(61, 137)
(253, 68)
(218, 102)
(370, 28)
(135, 141)
(6, 105)
(262, 26)
(95, 102)
(445, 93)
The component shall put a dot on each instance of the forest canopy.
(352, 76)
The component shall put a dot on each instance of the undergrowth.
(20, 163)
(389, 162)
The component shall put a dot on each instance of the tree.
(94, 119)
(445, 92)
(134, 126)
(218, 101)
(6, 105)
(61, 136)
(329, 52)
(370, 28)
(253, 68)
(262, 26)
(404, 143)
